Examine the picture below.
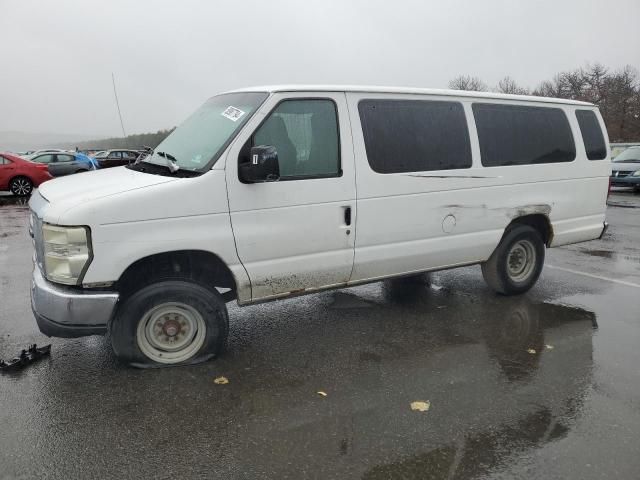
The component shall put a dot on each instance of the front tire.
(516, 263)
(21, 186)
(170, 323)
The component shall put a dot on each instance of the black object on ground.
(32, 354)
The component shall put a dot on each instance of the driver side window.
(305, 135)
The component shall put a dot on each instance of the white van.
(265, 193)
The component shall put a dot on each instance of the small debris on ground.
(221, 381)
(32, 354)
(549, 347)
(321, 393)
(531, 351)
(421, 406)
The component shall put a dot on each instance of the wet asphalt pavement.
(545, 385)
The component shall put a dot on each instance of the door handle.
(347, 216)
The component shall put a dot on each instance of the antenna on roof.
(113, 79)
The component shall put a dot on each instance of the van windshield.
(198, 142)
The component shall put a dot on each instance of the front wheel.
(170, 323)
(516, 263)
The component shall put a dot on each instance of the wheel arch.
(18, 175)
(199, 266)
(538, 221)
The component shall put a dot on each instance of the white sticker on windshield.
(232, 113)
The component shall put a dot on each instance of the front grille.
(620, 174)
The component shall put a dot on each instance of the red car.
(20, 175)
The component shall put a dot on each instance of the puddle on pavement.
(503, 375)
(611, 255)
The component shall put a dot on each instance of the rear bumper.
(66, 312)
(605, 226)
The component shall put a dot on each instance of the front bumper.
(629, 181)
(67, 312)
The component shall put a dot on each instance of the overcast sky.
(168, 57)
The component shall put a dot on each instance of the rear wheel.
(170, 323)
(516, 264)
(21, 186)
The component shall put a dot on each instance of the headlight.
(66, 253)
(636, 173)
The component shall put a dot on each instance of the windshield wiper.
(171, 161)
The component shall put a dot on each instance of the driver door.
(296, 234)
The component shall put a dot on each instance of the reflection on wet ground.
(8, 199)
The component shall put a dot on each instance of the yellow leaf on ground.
(321, 393)
(421, 406)
(531, 351)
(221, 381)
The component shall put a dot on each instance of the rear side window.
(591, 135)
(522, 135)
(414, 135)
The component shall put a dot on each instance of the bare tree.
(617, 94)
(509, 85)
(467, 82)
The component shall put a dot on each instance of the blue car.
(87, 160)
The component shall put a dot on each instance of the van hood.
(625, 166)
(83, 187)
(66, 194)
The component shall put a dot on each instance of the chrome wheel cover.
(171, 332)
(521, 260)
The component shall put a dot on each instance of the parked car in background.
(20, 176)
(46, 150)
(116, 158)
(64, 163)
(625, 169)
(618, 148)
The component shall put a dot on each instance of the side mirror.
(262, 166)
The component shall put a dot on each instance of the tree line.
(130, 141)
(616, 92)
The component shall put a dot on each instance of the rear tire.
(21, 186)
(170, 323)
(516, 263)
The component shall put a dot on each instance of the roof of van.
(406, 90)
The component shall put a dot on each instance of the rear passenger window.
(522, 135)
(591, 135)
(414, 135)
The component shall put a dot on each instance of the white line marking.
(591, 275)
